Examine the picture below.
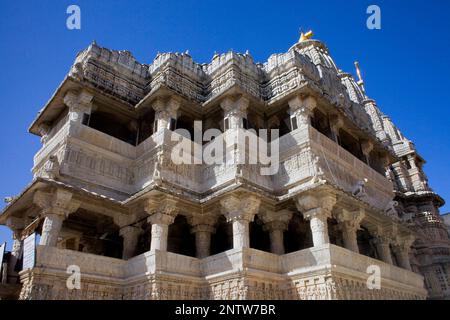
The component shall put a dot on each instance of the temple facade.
(347, 214)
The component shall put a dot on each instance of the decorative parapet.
(115, 72)
(114, 278)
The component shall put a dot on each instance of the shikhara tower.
(350, 192)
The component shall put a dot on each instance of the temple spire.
(360, 79)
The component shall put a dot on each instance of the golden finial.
(306, 36)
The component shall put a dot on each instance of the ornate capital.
(240, 207)
(59, 202)
(275, 220)
(404, 242)
(236, 107)
(161, 218)
(163, 205)
(203, 228)
(276, 225)
(366, 147)
(15, 223)
(202, 220)
(123, 220)
(336, 122)
(77, 100)
(324, 201)
(302, 105)
(161, 210)
(129, 231)
(167, 109)
(381, 235)
(349, 218)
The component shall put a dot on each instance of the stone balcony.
(314, 273)
(95, 158)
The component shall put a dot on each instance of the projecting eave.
(24, 200)
(53, 107)
(422, 195)
(56, 105)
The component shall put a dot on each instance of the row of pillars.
(166, 110)
(239, 210)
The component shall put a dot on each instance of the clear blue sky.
(406, 64)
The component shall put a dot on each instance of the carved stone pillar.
(336, 123)
(16, 225)
(234, 111)
(51, 228)
(301, 110)
(402, 247)
(203, 240)
(202, 227)
(317, 209)
(79, 104)
(164, 112)
(240, 210)
(276, 223)
(44, 130)
(366, 148)
(349, 224)
(382, 244)
(162, 214)
(130, 235)
(56, 207)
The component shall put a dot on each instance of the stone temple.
(349, 202)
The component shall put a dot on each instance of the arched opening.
(366, 243)
(180, 239)
(298, 235)
(259, 239)
(222, 239)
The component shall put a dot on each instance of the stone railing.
(293, 268)
(54, 142)
(101, 159)
(56, 260)
(358, 263)
(346, 261)
(344, 170)
(104, 141)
